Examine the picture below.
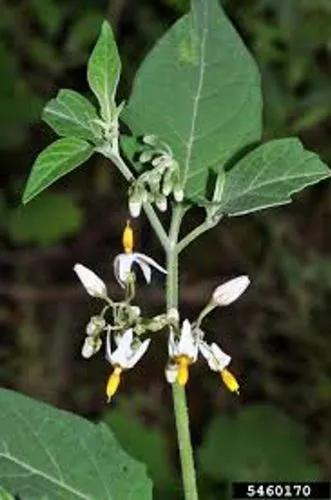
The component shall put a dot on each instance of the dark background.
(278, 333)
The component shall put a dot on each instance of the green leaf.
(4, 495)
(199, 91)
(71, 114)
(260, 442)
(46, 220)
(54, 162)
(269, 175)
(45, 452)
(144, 443)
(103, 71)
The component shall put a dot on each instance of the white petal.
(91, 282)
(150, 261)
(208, 355)
(138, 354)
(230, 291)
(171, 372)
(223, 359)
(187, 345)
(108, 346)
(123, 351)
(122, 267)
(145, 269)
(171, 344)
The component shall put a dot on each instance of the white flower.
(182, 353)
(216, 358)
(91, 282)
(126, 356)
(217, 361)
(124, 261)
(91, 346)
(230, 291)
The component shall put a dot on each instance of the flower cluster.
(128, 334)
(157, 184)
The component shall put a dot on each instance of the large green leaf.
(71, 114)
(103, 70)
(52, 454)
(54, 162)
(199, 91)
(259, 443)
(269, 175)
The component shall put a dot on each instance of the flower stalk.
(178, 392)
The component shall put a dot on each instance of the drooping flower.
(218, 361)
(124, 357)
(230, 291)
(91, 282)
(182, 353)
(124, 261)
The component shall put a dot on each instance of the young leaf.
(54, 162)
(269, 175)
(199, 91)
(103, 71)
(71, 114)
(48, 453)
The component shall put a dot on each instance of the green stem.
(179, 396)
(202, 228)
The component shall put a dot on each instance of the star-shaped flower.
(182, 352)
(124, 357)
(123, 262)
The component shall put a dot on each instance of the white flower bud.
(91, 346)
(178, 193)
(230, 291)
(146, 156)
(135, 207)
(161, 203)
(91, 282)
(136, 311)
(95, 325)
(151, 139)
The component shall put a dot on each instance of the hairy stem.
(179, 396)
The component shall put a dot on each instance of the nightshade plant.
(195, 121)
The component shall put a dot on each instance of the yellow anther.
(183, 373)
(127, 238)
(113, 382)
(230, 381)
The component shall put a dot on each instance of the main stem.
(178, 392)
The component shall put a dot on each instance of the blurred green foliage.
(278, 335)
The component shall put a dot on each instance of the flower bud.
(161, 203)
(91, 346)
(134, 208)
(95, 325)
(91, 282)
(230, 291)
(135, 311)
(167, 184)
(151, 139)
(145, 156)
(178, 193)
